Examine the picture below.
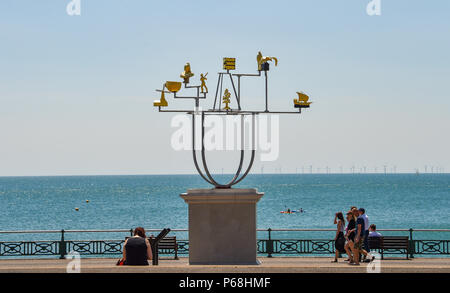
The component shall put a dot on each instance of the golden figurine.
(229, 63)
(226, 99)
(173, 86)
(302, 101)
(203, 84)
(161, 102)
(260, 59)
(187, 73)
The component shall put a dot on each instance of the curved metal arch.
(214, 182)
(194, 153)
(253, 152)
(209, 178)
(241, 160)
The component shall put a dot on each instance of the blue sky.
(76, 92)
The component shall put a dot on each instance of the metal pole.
(220, 97)
(217, 92)
(239, 89)
(235, 93)
(267, 109)
(62, 246)
(412, 248)
(269, 244)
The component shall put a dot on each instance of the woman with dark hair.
(137, 250)
(339, 240)
(350, 235)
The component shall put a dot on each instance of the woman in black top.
(350, 235)
(137, 250)
(339, 240)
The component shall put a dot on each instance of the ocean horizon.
(392, 201)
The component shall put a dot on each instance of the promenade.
(268, 265)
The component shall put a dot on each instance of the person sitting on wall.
(137, 249)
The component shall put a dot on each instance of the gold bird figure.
(260, 59)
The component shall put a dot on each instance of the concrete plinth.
(222, 226)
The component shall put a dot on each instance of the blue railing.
(287, 243)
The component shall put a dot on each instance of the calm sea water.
(123, 202)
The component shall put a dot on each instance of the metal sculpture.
(201, 90)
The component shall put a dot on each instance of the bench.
(390, 243)
(169, 243)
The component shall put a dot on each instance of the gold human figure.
(226, 99)
(187, 73)
(203, 84)
(260, 59)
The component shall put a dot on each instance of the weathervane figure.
(203, 86)
(187, 73)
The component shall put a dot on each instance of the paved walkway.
(268, 265)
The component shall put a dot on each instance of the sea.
(392, 201)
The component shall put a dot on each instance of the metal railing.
(269, 246)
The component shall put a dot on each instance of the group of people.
(353, 239)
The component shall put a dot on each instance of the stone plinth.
(222, 226)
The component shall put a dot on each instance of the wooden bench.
(390, 243)
(168, 243)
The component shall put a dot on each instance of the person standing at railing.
(339, 240)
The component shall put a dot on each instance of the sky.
(76, 92)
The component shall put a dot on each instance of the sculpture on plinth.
(214, 213)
